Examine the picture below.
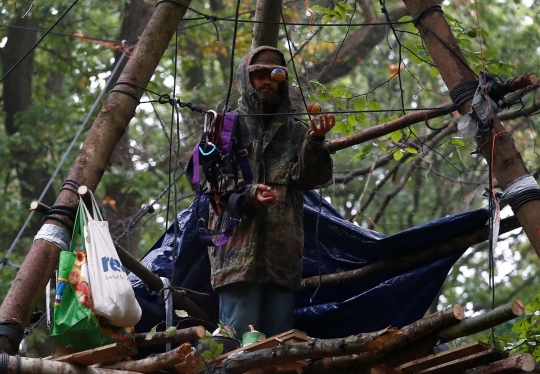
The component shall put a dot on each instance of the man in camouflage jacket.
(258, 271)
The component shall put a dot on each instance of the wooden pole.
(266, 33)
(155, 363)
(408, 334)
(370, 344)
(483, 321)
(27, 365)
(401, 263)
(91, 163)
(449, 60)
(523, 363)
(181, 336)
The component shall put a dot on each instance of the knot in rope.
(433, 8)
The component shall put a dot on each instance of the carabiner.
(207, 121)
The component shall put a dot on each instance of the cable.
(231, 74)
(66, 153)
(39, 41)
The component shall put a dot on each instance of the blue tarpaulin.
(360, 306)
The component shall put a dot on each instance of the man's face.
(263, 83)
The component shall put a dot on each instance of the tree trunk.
(155, 363)
(91, 162)
(447, 56)
(137, 13)
(28, 365)
(266, 33)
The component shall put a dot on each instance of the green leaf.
(396, 136)
(472, 33)
(151, 333)
(458, 142)
(351, 120)
(405, 19)
(339, 91)
(411, 150)
(327, 18)
(398, 155)
(181, 313)
(433, 71)
(213, 346)
(318, 8)
(290, 13)
(171, 331)
(373, 105)
(340, 104)
(344, 5)
(207, 355)
(324, 97)
(219, 349)
(359, 103)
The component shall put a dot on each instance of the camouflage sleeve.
(313, 166)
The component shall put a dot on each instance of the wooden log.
(401, 263)
(483, 321)
(158, 362)
(27, 365)
(408, 334)
(466, 363)
(523, 363)
(447, 356)
(39, 207)
(266, 28)
(385, 341)
(106, 353)
(181, 336)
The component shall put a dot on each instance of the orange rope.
(306, 5)
(118, 46)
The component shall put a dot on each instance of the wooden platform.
(456, 360)
(288, 337)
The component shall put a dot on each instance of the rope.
(231, 72)
(520, 191)
(433, 8)
(11, 330)
(39, 41)
(463, 92)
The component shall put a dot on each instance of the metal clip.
(208, 121)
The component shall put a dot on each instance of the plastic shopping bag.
(113, 296)
(73, 315)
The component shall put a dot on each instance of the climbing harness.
(219, 155)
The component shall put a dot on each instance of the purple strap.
(229, 229)
(196, 180)
(226, 133)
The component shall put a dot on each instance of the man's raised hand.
(326, 122)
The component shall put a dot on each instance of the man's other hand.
(266, 195)
(326, 122)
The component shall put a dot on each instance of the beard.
(272, 100)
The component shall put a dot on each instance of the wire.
(39, 41)
(232, 56)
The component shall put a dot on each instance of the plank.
(106, 353)
(465, 363)
(443, 357)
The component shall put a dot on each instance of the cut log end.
(518, 308)
(200, 331)
(82, 190)
(527, 362)
(459, 313)
(33, 205)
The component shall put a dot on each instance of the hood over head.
(263, 57)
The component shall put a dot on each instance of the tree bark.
(155, 363)
(266, 33)
(523, 363)
(38, 365)
(372, 345)
(447, 56)
(401, 263)
(92, 161)
(181, 336)
(137, 13)
(483, 321)
(408, 334)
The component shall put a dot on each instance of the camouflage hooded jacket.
(267, 245)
